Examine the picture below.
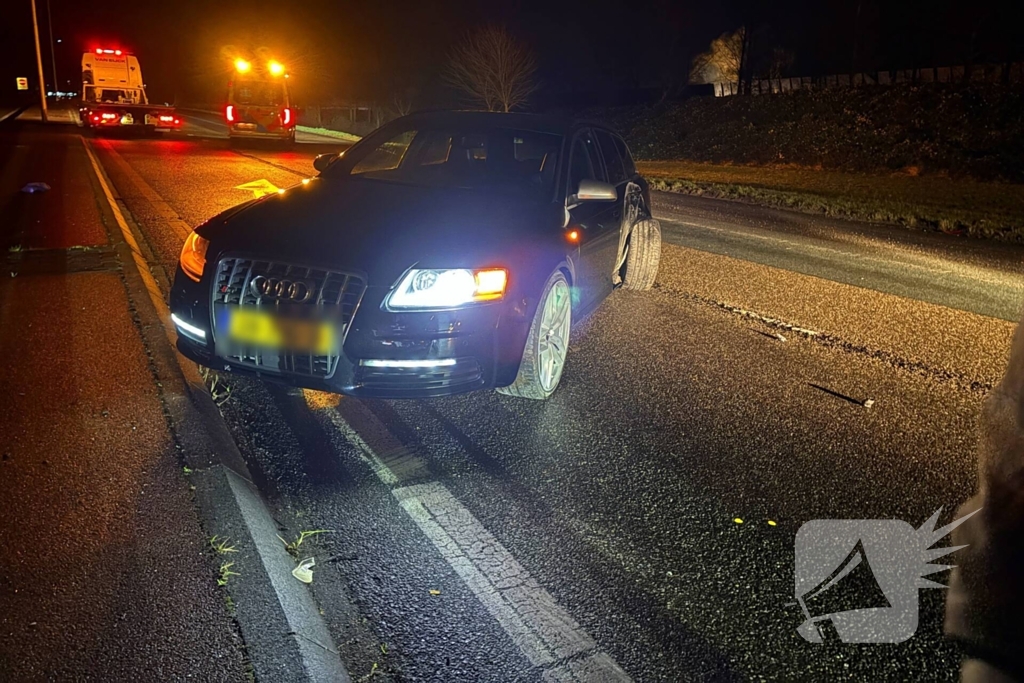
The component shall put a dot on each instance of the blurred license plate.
(127, 120)
(268, 331)
(245, 126)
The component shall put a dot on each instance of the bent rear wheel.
(643, 255)
(547, 343)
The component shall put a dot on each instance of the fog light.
(407, 363)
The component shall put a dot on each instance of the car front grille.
(333, 295)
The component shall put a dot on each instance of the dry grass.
(993, 210)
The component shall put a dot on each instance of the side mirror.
(596, 191)
(322, 161)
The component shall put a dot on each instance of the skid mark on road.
(544, 632)
(923, 368)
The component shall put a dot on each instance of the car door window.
(386, 156)
(612, 161)
(585, 162)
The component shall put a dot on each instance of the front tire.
(547, 344)
(644, 255)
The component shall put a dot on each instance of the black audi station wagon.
(443, 253)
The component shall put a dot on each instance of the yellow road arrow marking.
(259, 187)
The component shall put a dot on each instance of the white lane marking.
(596, 668)
(412, 500)
(544, 632)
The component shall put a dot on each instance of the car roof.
(543, 123)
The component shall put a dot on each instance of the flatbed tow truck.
(114, 94)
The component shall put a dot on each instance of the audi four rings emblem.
(299, 291)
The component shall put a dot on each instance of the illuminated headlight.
(426, 289)
(193, 256)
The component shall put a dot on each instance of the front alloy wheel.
(547, 344)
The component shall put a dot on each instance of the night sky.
(341, 50)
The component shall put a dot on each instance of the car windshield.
(259, 94)
(502, 159)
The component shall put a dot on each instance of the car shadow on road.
(320, 462)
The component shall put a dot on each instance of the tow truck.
(114, 94)
(259, 105)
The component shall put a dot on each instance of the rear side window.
(627, 158)
(612, 160)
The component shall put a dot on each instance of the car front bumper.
(385, 354)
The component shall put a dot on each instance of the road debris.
(304, 572)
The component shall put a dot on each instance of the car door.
(599, 229)
(625, 212)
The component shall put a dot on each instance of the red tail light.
(286, 116)
(230, 113)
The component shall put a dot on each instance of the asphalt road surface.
(641, 523)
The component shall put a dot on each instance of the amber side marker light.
(193, 256)
(573, 236)
(490, 284)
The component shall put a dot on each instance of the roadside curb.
(285, 636)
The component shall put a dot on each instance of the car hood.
(382, 228)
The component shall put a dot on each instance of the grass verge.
(989, 210)
(328, 133)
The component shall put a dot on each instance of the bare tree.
(402, 104)
(723, 60)
(493, 68)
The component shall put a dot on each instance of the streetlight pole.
(39, 65)
(53, 54)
